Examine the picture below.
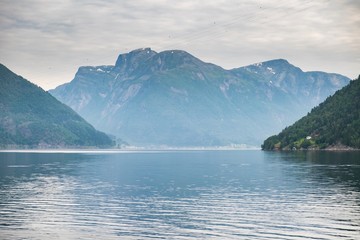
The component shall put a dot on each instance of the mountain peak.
(146, 50)
(273, 62)
(177, 52)
(132, 59)
(272, 67)
(277, 61)
(174, 58)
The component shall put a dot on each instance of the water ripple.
(89, 204)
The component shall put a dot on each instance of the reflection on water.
(180, 195)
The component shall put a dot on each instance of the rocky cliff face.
(172, 98)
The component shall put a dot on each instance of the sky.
(47, 41)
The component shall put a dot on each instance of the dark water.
(180, 195)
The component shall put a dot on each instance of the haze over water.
(180, 195)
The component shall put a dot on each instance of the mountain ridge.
(173, 98)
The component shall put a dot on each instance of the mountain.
(31, 117)
(335, 122)
(173, 98)
(312, 86)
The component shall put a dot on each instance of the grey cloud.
(48, 40)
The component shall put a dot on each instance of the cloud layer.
(46, 41)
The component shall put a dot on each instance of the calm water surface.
(180, 195)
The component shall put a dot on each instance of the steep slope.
(313, 86)
(172, 98)
(336, 121)
(31, 117)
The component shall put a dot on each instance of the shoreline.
(332, 148)
(124, 150)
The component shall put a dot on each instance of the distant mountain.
(309, 87)
(172, 98)
(31, 117)
(335, 122)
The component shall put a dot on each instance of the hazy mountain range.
(172, 98)
(32, 118)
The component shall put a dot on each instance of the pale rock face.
(179, 91)
(172, 98)
(83, 102)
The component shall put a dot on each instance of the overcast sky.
(46, 41)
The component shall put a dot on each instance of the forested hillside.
(31, 117)
(336, 121)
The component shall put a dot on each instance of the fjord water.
(180, 195)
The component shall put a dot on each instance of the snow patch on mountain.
(83, 101)
(270, 70)
(103, 95)
(131, 92)
(179, 91)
